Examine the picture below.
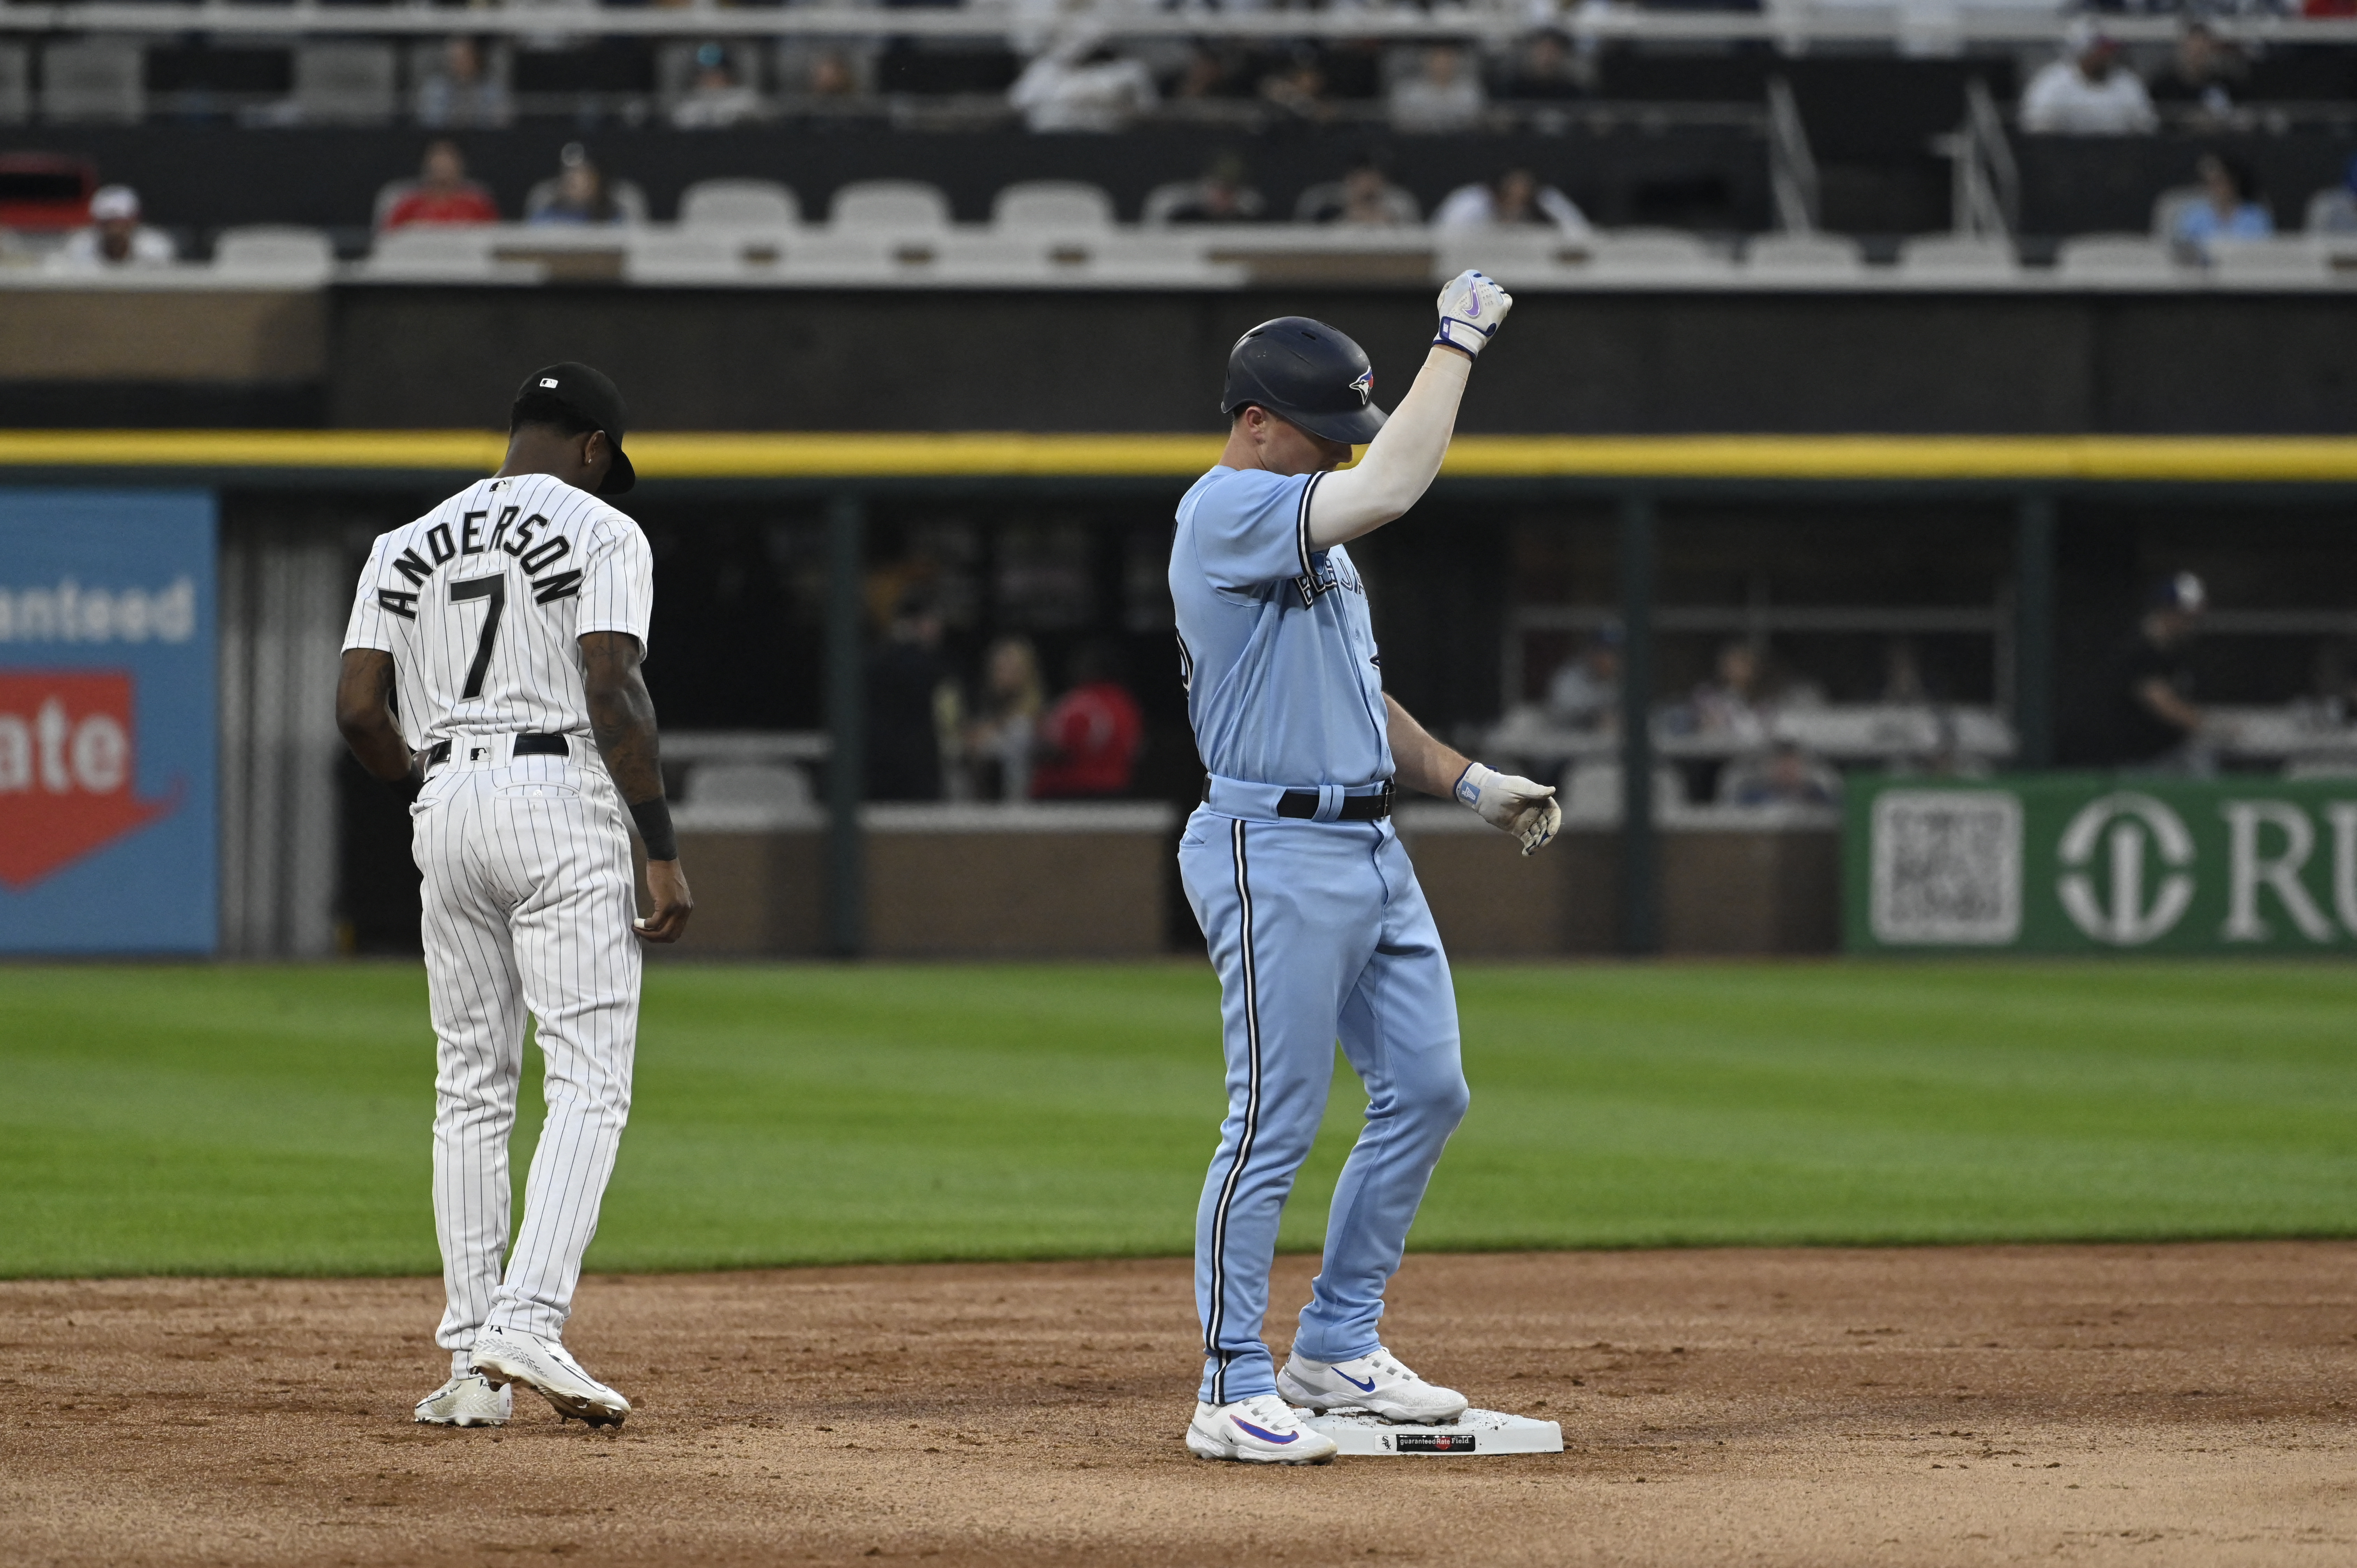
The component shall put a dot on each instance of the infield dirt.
(2154, 1405)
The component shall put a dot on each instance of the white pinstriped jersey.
(482, 603)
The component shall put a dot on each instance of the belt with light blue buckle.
(1326, 803)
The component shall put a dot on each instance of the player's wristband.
(653, 817)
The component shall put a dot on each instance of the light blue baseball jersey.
(1283, 682)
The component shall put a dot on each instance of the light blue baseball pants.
(1318, 930)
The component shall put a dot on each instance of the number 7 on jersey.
(494, 588)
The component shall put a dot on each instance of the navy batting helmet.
(1304, 372)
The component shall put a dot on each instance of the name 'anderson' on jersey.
(1284, 683)
(483, 601)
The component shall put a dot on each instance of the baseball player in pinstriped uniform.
(1312, 912)
(510, 621)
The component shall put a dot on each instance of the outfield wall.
(293, 857)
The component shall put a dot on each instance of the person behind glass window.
(2086, 93)
(714, 99)
(1443, 94)
(458, 91)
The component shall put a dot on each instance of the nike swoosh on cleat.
(1366, 1388)
(1267, 1437)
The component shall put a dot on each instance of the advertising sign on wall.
(2087, 863)
(108, 826)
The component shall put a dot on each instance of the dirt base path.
(2076, 1404)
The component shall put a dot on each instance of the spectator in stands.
(2198, 75)
(1903, 673)
(1219, 197)
(714, 99)
(908, 691)
(1003, 732)
(458, 92)
(1515, 198)
(578, 195)
(440, 194)
(1082, 83)
(115, 237)
(1210, 73)
(1362, 196)
(1443, 94)
(2148, 717)
(1299, 88)
(1585, 693)
(2085, 92)
(1550, 67)
(2334, 212)
(1090, 740)
(1782, 776)
(1729, 703)
(832, 75)
(2231, 207)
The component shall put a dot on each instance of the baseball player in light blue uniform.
(1307, 901)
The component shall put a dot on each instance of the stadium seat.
(891, 206)
(437, 251)
(1652, 255)
(1803, 258)
(690, 256)
(349, 83)
(16, 84)
(2101, 259)
(1052, 205)
(738, 204)
(2170, 205)
(2332, 210)
(92, 81)
(1591, 793)
(274, 252)
(1958, 259)
(2291, 262)
(748, 784)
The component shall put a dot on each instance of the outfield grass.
(274, 1119)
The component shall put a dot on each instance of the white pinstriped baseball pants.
(529, 900)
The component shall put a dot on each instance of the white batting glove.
(1512, 804)
(1472, 308)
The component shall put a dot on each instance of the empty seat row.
(105, 80)
(896, 205)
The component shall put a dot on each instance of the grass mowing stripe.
(274, 1119)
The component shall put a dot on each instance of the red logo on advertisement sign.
(66, 770)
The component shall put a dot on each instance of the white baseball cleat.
(467, 1399)
(1375, 1383)
(505, 1356)
(1258, 1431)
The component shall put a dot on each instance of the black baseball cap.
(592, 394)
(1308, 373)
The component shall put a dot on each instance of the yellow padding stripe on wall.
(860, 455)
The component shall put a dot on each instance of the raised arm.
(622, 718)
(1405, 454)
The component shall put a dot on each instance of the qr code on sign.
(1947, 868)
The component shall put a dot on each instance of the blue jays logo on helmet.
(1365, 386)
